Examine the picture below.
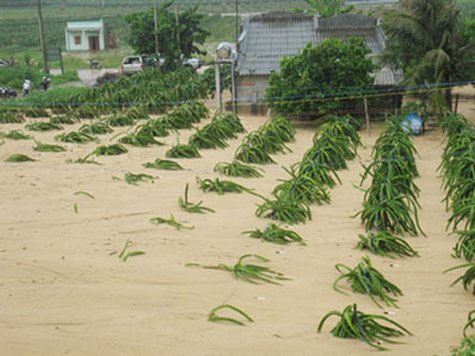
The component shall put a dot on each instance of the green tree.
(174, 41)
(327, 8)
(307, 83)
(426, 40)
(468, 29)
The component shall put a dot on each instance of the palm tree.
(425, 40)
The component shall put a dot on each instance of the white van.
(134, 64)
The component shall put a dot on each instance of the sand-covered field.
(63, 289)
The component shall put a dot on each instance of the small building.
(266, 38)
(85, 36)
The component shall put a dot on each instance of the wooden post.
(366, 114)
(61, 60)
(42, 38)
(457, 97)
(395, 102)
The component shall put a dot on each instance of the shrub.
(15, 75)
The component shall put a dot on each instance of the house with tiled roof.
(266, 38)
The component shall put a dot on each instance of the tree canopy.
(426, 39)
(173, 40)
(307, 82)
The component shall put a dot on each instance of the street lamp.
(224, 55)
(224, 51)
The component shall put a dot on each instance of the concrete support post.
(217, 70)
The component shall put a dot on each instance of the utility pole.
(237, 22)
(42, 38)
(177, 25)
(155, 26)
(102, 3)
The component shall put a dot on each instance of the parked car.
(134, 64)
(194, 63)
(137, 63)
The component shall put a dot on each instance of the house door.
(93, 43)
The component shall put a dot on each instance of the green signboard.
(53, 54)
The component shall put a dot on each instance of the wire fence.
(356, 97)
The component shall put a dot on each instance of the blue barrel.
(413, 124)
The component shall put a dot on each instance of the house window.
(77, 40)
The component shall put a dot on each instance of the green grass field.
(19, 25)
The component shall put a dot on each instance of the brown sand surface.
(63, 289)
(466, 101)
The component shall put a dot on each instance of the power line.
(42, 38)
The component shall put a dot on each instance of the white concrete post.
(217, 71)
(233, 86)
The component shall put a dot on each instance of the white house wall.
(84, 46)
(72, 46)
(251, 88)
(250, 92)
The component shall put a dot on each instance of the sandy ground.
(466, 101)
(63, 289)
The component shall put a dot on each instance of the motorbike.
(95, 64)
(7, 92)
